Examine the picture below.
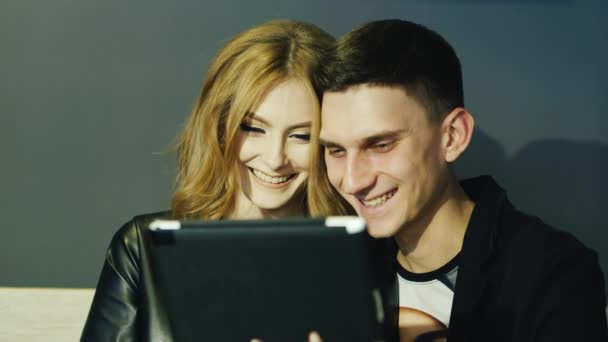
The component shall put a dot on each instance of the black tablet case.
(274, 280)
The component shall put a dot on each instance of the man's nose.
(358, 174)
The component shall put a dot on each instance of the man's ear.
(457, 128)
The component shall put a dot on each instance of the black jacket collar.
(478, 247)
(477, 250)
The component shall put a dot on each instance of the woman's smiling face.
(273, 150)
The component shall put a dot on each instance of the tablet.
(276, 280)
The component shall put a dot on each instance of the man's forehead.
(365, 98)
(358, 132)
(366, 111)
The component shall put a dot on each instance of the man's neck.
(437, 236)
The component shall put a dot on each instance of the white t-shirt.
(425, 299)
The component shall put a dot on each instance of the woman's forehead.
(289, 103)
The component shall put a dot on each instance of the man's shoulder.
(530, 234)
(513, 238)
(528, 248)
(530, 272)
(509, 229)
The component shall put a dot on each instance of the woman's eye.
(248, 128)
(302, 136)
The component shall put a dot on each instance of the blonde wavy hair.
(238, 79)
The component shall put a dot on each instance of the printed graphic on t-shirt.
(425, 303)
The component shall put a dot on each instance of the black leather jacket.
(125, 306)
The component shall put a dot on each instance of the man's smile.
(378, 200)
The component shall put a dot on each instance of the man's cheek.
(333, 172)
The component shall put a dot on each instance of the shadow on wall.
(563, 182)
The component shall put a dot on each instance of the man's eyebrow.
(327, 143)
(367, 141)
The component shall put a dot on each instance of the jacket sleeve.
(113, 313)
(573, 305)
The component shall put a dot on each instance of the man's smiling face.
(383, 155)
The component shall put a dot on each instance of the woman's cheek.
(299, 156)
(247, 149)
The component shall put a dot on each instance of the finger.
(314, 337)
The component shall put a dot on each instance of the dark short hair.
(397, 53)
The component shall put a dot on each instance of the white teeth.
(378, 200)
(269, 179)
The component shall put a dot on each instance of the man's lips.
(378, 200)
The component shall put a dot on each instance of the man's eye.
(248, 128)
(335, 152)
(383, 146)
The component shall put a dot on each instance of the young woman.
(244, 154)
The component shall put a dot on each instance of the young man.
(470, 266)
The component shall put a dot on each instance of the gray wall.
(92, 93)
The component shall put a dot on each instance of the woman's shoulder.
(132, 227)
(143, 220)
(123, 256)
(128, 238)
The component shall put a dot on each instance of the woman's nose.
(276, 158)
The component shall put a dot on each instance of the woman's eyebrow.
(256, 117)
(305, 124)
